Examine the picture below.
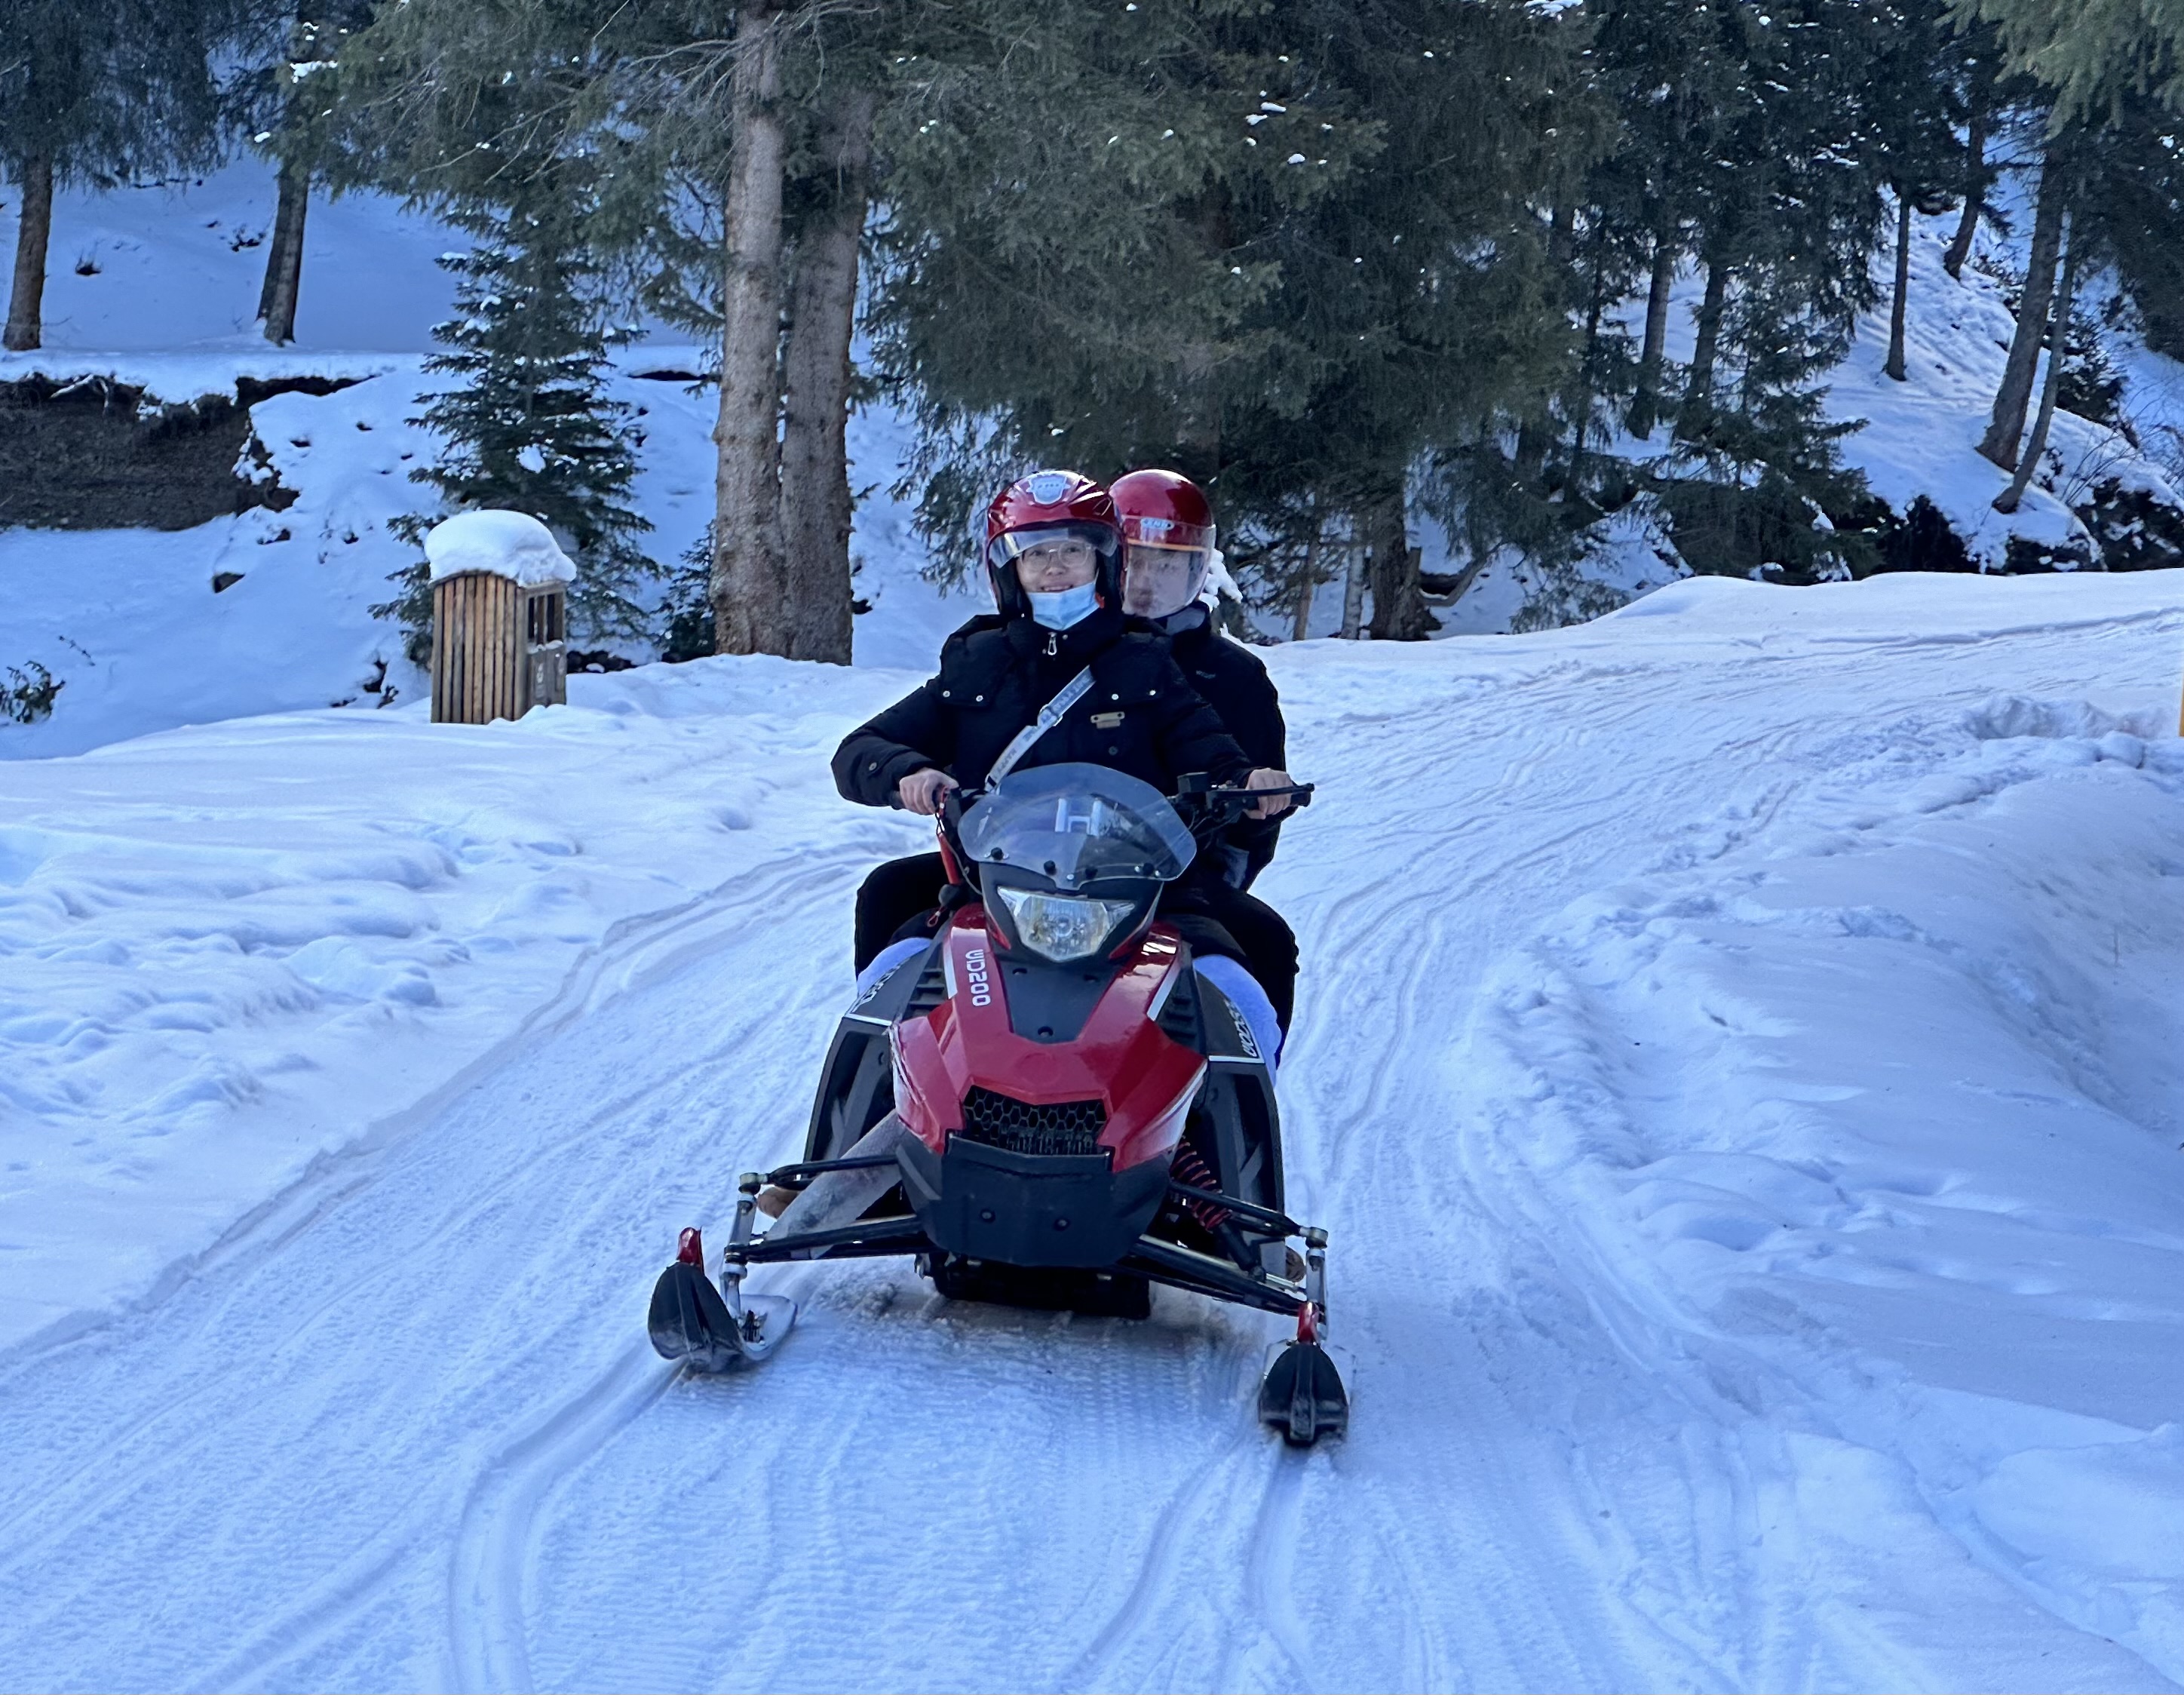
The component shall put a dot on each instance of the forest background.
(1344, 261)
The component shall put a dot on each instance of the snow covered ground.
(1738, 1064)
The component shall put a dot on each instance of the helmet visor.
(1011, 545)
(1158, 581)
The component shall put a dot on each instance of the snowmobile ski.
(1302, 1395)
(712, 1329)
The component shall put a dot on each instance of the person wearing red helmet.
(1054, 555)
(1168, 549)
(1168, 539)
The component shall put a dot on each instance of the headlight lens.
(1064, 927)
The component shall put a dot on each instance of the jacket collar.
(1189, 631)
(1078, 643)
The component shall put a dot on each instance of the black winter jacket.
(1234, 682)
(1141, 716)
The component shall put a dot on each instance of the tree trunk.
(2000, 444)
(1895, 366)
(1582, 411)
(1307, 584)
(750, 610)
(25, 304)
(1353, 589)
(1645, 405)
(1698, 390)
(284, 261)
(1400, 612)
(816, 507)
(1561, 230)
(2029, 463)
(1960, 244)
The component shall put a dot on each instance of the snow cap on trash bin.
(506, 543)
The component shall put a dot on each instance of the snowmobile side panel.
(1239, 1101)
(856, 1084)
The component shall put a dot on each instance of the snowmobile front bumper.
(1032, 1210)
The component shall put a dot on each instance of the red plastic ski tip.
(690, 1248)
(1308, 1317)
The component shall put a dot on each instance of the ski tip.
(1302, 1395)
(690, 1322)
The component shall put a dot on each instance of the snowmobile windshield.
(1078, 824)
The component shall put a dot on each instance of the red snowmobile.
(1047, 1105)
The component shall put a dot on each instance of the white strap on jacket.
(1050, 714)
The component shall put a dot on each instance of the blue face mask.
(1070, 607)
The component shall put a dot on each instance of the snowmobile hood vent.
(1066, 1127)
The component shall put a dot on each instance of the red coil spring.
(1190, 1166)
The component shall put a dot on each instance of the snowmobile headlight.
(1064, 927)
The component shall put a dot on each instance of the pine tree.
(1751, 137)
(2134, 195)
(1194, 240)
(1912, 111)
(530, 428)
(2092, 56)
(479, 109)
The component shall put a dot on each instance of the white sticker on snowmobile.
(974, 966)
(1243, 1032)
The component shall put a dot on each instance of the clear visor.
(1078, 824)
(1158, 580)
(1013, 544)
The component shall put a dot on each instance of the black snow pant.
(1213, 917)
(897, 893)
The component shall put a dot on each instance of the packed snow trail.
(403, 1430)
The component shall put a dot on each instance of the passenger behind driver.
(1168, 541)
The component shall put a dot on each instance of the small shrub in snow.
(2135, 527)
(27, 695)
(687, 613)
(1922, 539)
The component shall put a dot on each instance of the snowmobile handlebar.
(1206, 805)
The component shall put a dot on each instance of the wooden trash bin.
(499, 617)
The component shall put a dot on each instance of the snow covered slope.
(129, 619)
(1737, 1063)
(154, 287)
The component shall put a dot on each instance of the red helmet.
(1166, 511)
(1041, 507)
